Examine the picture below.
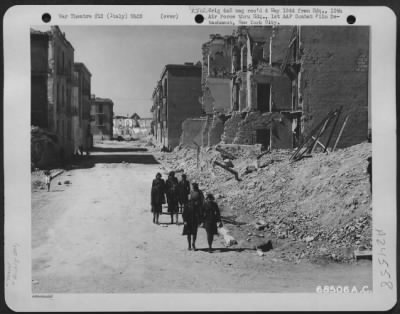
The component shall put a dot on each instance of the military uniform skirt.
(190, 228)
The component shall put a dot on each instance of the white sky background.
(126, 61)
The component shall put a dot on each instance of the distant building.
(175, 98)
(124, 125)
(81, 107)
(130, 126)
(101, 118)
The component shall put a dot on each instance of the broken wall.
(335, 63)
(217, 95)
(280, 40)
(281, 135)
(192, 131)
(216, 80)
(215, 131)
(231, 127)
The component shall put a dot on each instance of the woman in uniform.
(211, 216)
(157, 197)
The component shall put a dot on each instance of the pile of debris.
(38, 178)
(311, 208)
(44, 148)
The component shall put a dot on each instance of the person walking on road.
(157, 197)
(47, 180)
(172, 196)
(211, 216)
(192, 213)
(183, 192)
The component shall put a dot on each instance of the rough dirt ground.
(96, 235)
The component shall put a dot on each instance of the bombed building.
(272, 85)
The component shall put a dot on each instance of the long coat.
(157, 195)
(193, 212)
(183, 191)
(192, 217)
(211, 215)
(172, 194)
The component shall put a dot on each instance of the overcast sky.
(126, 61)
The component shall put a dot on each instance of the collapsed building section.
(271, 85)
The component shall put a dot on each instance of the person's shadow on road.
(224, 250)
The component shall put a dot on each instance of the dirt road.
(96, 235)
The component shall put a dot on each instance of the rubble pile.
(318, 207)
(38, 178)
(44, 148)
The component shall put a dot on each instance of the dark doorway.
(263, 137)
(263, 97)
(236, 95)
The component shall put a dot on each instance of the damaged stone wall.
(335, 73)
(231, 127)
(216, 79)
(192, 131)
(281, 36)
(253, 121)
(216, 130)
(218, 95)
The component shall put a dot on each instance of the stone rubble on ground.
(318, 207)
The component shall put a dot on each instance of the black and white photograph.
(213, 159)
(161, 161)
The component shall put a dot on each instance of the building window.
(100, 120)
(100, 108)
(165, 87)
(263, 97)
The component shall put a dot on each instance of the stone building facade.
(81, 104)
(39, 75)
(175, 98)
(101, 114)
(61, 57)
(52, 59)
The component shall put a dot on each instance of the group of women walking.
(195, 208)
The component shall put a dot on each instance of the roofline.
(62, 35)
(106, 100)
(39, 33)
(176, 66)
(83, 66)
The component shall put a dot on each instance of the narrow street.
(96, 235)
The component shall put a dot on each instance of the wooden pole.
(228, 169)
(319, 143)
(340, 133)
(320, 133)
(333, 129)
(198, 154)
(297, 155)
